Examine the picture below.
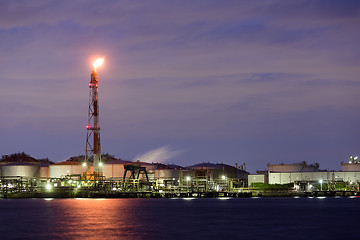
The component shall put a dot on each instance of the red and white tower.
(93, 147)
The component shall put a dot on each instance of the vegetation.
(266, 186)
(80, 158)
(21, 157)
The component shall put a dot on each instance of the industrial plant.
(306, 177)
(102, 175)
(95, 174)
(23, 175)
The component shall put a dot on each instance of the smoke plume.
(160, 155)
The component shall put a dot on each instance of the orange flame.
(98, 62)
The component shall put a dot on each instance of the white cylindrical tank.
(113, 170)
(59, 170)
(44, 172)
(20, 170)
(166, 174)
(294, 167)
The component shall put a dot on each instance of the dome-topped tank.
(20, 169)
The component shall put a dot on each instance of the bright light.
(320, 181)
(187, 199)
(224, 198)
(223, 177)
(48, 186)
(187, 178)
(355, 158)
(84, 164)
(100, 164)
(98, 62)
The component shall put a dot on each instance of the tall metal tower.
(93, 147)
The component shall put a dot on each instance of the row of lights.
(49, 186)
(100, 164)
(188, 178)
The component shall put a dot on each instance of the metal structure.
(135, 170)
(93, 147)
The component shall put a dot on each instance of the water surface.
(249, 218)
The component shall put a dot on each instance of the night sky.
(200, 81)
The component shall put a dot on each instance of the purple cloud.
(231, 81)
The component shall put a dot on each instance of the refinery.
(24, 176)
(102, 175)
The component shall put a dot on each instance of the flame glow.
(98, 62)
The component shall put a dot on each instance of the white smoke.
(159, 155)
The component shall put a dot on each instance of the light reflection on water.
(251, 218)
(98, 219)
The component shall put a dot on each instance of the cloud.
(158, 155)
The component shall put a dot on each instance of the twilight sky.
(200, 80)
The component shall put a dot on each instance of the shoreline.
(99, 194)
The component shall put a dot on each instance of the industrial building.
(202, 177)
(303, 173)
(210, 176)
(294, 167)
(353, 165)
(118, 175)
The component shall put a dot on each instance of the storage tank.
(20, 169)
(149, 166)
(44, 172)
(294, 167)
(44, 169)
(214, 171)
(204, 166)
(61, 169)
(166, 174)
(157, 171)
(350, 167)
(113, 169)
